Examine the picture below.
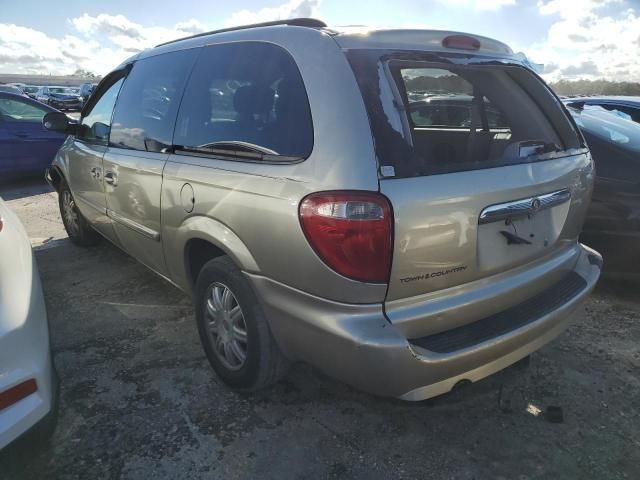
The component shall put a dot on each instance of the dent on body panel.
(136, 195)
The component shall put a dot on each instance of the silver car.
(399, 208)
(28, 381)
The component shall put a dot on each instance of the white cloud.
(479, 4)
(101, 42)
(133, 37)
(569, 8)
(25, 50)
(584, 43)
(291, 9)
(98, 44)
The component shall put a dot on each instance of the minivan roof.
(415, 39)
(360, 37)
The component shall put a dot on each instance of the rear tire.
(77, 227)
(233, 329)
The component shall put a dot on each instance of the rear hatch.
(483, 168)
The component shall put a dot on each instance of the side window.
(440, 98)
(95, 124)
(245, 101)
(145, 115)
(16, 111)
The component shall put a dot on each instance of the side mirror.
(59, 122)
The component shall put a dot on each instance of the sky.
(574, 39)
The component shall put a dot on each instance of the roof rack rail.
(296, 22)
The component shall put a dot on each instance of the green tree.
(595, 87)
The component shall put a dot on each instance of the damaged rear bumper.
(358, 345)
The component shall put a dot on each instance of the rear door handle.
(111, 178)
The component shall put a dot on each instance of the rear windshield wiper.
(237, 150)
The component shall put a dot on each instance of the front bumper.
(358, 345)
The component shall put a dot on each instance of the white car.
(28, 384)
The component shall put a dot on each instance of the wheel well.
(56, 178)
(197, 253)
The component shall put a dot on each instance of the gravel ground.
(139, 401)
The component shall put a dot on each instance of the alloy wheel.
(226, 326)
(70, 213)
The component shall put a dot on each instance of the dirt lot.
(138, 399)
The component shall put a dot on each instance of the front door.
(85, 168)
(142, 130)
(133, 181)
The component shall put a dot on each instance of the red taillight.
(461, 42)
(1, 223)
(350, 232)
(17, 393)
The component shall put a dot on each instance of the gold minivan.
(399, 208)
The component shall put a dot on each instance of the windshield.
(30, 89)
(10, 89)
(608, 126)
(63, 90)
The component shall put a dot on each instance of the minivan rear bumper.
(358, 345)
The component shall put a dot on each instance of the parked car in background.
(625, 107)
(450, 110)
(311, 218)
(26, 147)
(28, 383)
(12, 89)
(613, 221)
(31, 90)
(85, 91)
(62, 98)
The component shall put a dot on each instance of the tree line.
(453, 83)
(595, 87)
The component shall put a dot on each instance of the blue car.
(26, 147)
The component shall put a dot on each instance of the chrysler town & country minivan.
(399, 208)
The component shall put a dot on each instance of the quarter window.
(246, 101)
(95, 125)
(145, 115)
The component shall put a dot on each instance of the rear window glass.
(456, 117)
(61, 90)
(438, 98)
(247, 100)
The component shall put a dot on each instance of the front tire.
(233, 329)
(77, 227)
